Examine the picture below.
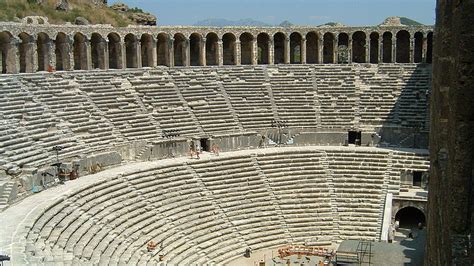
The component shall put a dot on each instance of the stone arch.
(195, 42)
(163, 49)
(115, 51)
(343, 48)
(295, 48)
(98, 47)
(7, 53)
(263, 51)
(374, 47)
(43, 48)
(62, 52)
(418, 48)
(80, 52)
(246, 48)
(131, 51)
(312, 54)
(328, 48)
(228, 43)
(358, 47)
(279, 47)
(146, 44)
(429, 47)
(27, 53)
(180, 46)
(387, 47)
(403, 47)
(212, 49)
(410, 217)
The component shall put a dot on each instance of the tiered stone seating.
(298, 180)
(245, 199)
(121, 106)
(161, 98)
(248, 95)
(403, 161)
(294, 93)
(75, 110)
(36, 123)
(358, 179)
(337, 95)
(200, 89)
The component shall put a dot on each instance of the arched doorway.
(387, 47)
(429, 48)
(131, 48)
(115, 51)
(43, 46)
(262, 46)
(312, 54)
(162, 50)
(279, 48)
(180, 47)
(328, 48)
(62, 52)
(403, 47)
(7, 53)
(246, 48)
(228, 45)
(27, 51)
(374, 47)
(295, 48)
(146, 42)
(212, 49)
(80, 52)
(358, 47)
(418, 49)
(343, 48)
(410, 217)
(98, 46)
(195, 43)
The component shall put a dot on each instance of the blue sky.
(301, 12)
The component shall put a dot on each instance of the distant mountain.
(409, 22)
(220, 22)
(398, 21)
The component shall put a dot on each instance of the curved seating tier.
(92, 111)
(210, 210)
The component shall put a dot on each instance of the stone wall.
(451, 197)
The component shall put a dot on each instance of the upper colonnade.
(34, 45)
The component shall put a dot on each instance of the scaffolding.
(362, 255)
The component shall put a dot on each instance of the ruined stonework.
(451, 197)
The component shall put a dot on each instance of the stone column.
(271, 51)
(70, 42)
(287, 50)
(412, 49)
(238, 49)
(34, 47)
(13, 63)
(88, 53)
(303, 50)
(123, 50)
(380, 49)
(335, 49)
(394, 49)
(187, 53)
(154, 52)
(106, 54)
(171, 52)
(367, 49)
(254, 51)
(220, 52)
(424, 48)
(349, 50)
(138, 49)
(320, 49)
(202, 54)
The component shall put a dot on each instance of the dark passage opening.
(409, 217)
(205, 144)
(417, 175)
(354, 137)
